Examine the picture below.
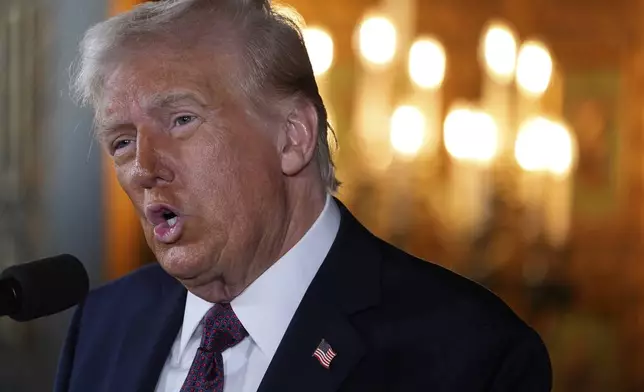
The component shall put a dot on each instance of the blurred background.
(502, 139)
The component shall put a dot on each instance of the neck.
(302, 206)
(303, 210)
(298, 211)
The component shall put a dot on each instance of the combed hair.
(273, 61)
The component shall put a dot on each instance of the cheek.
(124, 178)
(232, 173)
(206, 174)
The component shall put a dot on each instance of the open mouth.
(158, 214)
(167, 222)
(170, 217)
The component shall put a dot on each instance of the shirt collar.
(267, 306)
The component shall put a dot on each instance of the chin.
(183, 262)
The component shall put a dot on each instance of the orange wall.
(118, 6)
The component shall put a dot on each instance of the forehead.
(150, 80)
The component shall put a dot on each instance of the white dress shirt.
(265, 309)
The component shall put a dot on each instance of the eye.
(183, 120)
(120, 144)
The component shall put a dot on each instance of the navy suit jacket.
(397, 323)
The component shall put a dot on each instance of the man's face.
(204, 175)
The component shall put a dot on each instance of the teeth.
(172, 221)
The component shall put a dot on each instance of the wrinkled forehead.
(151, 77)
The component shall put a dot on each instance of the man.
(210, 111)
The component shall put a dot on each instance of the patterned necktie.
(221, 330)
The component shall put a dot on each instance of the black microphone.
(42, 288)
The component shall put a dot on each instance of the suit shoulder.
(431, 291)
(142, 281)
(123, 298)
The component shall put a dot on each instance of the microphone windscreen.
(47, 286)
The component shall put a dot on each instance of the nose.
(149, 170)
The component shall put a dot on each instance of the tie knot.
(221, 329)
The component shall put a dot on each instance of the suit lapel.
(347, 282)
(294, 368)
(144, 349)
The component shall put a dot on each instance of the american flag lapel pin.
(324, 353)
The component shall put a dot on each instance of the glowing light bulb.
(534, 68)
(427, 63)
(543, 145)
(471, 135)
(319, 45)
(407, 133)
(499, 47)
(377, 40)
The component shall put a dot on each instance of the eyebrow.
(171, 98)
(160, 100)
(103, 130)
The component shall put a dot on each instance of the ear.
(300, 139)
